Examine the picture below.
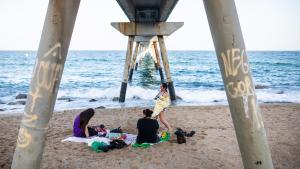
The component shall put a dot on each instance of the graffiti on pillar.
(235, 63)
(246, 108)
(240, 88)
(46, 74)
(256, 116)
(24, 138)
(233, 60)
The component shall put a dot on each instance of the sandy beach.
(213, 146)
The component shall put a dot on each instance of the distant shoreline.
(20, 113)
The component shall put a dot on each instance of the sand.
(213, 146)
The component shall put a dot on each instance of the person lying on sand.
(80, 126)
(147, 128)
(161, 104)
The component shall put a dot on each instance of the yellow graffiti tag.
(240, 89)
(233, 60)
(256, 116)
(29, 117)
(24, 138)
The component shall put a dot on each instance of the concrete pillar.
(166, 66)
(51, 57)
(126, 69)
(232, 57)
(158, 62)
(153, 55)
(136, 50)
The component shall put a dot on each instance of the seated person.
(80, 126)
(147, 128)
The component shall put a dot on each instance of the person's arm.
(86, 131)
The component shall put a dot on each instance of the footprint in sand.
(217, 149)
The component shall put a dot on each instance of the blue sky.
(266, 25)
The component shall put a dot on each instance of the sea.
(92, 79)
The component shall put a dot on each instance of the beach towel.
(163, 137)
(130, 138)
(160, 104)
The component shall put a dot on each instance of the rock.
(11, 103)
(93, 100)
(136, 97)
(70, 100)
(66, 99)
(22, 102)
(100, 107)
(21, 96)
(260, 87)
(115, 99)
(178, 98)
(281, 92)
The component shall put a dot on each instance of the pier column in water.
(51, 57)
(232, 57)
(158, 61)
(136, 50)
(126, 69)
(166, 66)
(136, 62)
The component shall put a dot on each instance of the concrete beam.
(147, 29)
(145, 39)
(127, 8)
(166, 8)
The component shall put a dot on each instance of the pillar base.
(171, 91)
(161, 74)
(130, 75)
(123, 92)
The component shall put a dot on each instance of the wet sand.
(213, 146)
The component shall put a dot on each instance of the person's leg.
(162, 118)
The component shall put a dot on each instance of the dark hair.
(164, 85)
(147, 112)
(85, 117)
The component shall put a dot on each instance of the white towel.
(130, 138)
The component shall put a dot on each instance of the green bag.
(99, 146)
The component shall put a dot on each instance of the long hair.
(85, 117)
(165, 86)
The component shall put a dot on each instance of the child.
(147, 128)
(80, 126)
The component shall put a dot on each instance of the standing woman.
(161, 104)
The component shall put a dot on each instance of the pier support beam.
(231, 53)
(51, 57)
(158, 61)
(136, 50)
(126, 69)
(166, 66)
